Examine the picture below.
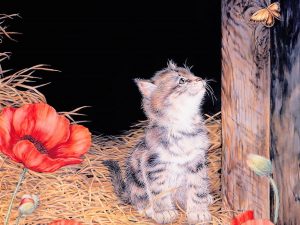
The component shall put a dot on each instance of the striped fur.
(173, 153)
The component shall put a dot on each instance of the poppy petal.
(23, 121)
(258, 222)
(65, 222)
(243, 217)
(43, 123)
(5, 126)
(6, 132)
(78, 144)
(32, 159)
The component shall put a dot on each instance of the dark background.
(101, 47)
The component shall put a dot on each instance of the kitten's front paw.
(147, 212)
(202, 217)
(167, 216)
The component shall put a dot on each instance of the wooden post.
(261, 108)
(285, 110)
(245, 106)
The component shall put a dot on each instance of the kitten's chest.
(176, 175)
(184, 150)
(187, 144)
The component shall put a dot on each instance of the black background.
(99, 49)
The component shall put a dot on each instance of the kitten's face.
(179, 87)
(174, 90)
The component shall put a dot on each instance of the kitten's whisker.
(208, 86)
(210, 92)
(189, 68)
(210, 80)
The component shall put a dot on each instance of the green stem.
(14, 195)
(275, 189)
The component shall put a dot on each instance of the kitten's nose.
(198, 79)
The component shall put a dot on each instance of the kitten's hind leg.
(139, 199)
(136, 185)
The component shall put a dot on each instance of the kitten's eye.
(181, 80)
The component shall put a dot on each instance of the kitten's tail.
(117, 180)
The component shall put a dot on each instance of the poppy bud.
(260, 165)
(28, 204)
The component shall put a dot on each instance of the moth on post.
(267, 15)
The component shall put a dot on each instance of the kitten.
(168, 166)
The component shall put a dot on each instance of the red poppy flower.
(243, 217)
(65, 222)
(258, 222)
(44, 141)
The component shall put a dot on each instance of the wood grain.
(285, 111)
(245, 106)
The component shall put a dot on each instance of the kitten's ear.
(146, 87)
(171, 65)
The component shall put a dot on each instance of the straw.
(84, 192)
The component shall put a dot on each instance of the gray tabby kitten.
(168, 166)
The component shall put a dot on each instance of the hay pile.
(84, 192)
